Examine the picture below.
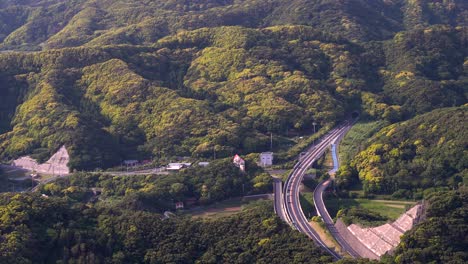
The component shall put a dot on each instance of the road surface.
(159, 171)
(293, 213)
(280, 210)
(322, 210)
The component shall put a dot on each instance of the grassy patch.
(325, 162)
(389, 208)
(356, 138)
(307, 204)
(326, 237)
(302, 143)
(46, 176)
(219, 209)
(280, 174)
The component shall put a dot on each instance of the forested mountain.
(59, 23)
(211, 88)
(223, 89)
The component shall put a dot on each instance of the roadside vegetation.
(368, 212)
(405, 159)
(219, 181)
(222, 209)
(352, 204)
(442, 236)
(356, 138)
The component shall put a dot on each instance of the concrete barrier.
(354, 242)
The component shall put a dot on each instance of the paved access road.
(159, 171)
(323, 212)
(293, 213)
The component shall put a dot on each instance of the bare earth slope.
(56, 165)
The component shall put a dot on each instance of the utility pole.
(314, 124)
(271, 141)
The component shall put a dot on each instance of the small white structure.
(203, 164)
(130, 162)
(239, 162)
(179, 205)
(266, 159)
(177, 166)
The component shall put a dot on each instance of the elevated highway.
(287, 203)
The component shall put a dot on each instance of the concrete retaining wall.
(376, 241)
(362, 250)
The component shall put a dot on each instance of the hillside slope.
(191, 94)
(427, 151)
(219, 90)
(441, 238)
(59, 23)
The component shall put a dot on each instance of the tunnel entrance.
(355, 114)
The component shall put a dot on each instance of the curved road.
(280, 210)
(323, 212)
(289, 199)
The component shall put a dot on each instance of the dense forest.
(219, 181)
(442, 237)
(68, 227)
(39, 229)
(159, 80)
(3, 181)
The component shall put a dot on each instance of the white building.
(177, 166)
(266, 159)
(130, 162)
(203, 164)
(179, 205)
